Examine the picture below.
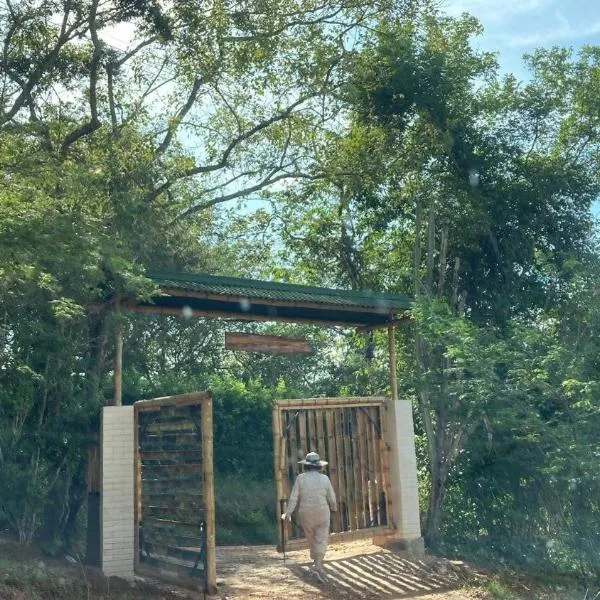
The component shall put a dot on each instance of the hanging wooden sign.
(276, 344)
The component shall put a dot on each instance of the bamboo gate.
(351, 434)
(174, 490)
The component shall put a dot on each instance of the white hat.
(312, 458)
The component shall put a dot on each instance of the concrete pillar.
(117, 513)
(403, 479)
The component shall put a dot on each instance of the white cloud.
(565, 31)
(489, 11)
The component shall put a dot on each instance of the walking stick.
(282, 508)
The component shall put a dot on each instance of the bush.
(245, 510)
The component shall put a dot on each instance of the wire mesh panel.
(350, 434)
(174, 504)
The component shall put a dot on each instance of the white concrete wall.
(117, 516)
(403, 471)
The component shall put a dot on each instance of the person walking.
(314, 497)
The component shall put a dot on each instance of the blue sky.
(516, 27)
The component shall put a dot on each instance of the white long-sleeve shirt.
(312, 491)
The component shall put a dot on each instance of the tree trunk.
(436, 502)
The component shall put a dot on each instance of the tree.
(462, 188)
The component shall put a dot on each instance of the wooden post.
(334, 469)
(384, 418)
(392, 356)
(209, 495)
(278, 448)
(118, 368)
(137, 466)
(385, 466)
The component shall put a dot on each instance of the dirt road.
(355, 571)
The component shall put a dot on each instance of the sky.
(517, 27)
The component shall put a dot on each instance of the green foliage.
(245, 509)
(404, 162)
(498, 591)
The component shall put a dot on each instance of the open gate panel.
(174, 489)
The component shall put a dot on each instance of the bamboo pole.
(332, 402)
(370, 470)
(209, 495)
(385, 466)
(376, 458)
(334, 468)
(355, 461)
(320, 435)
(339, 439)
(364, 467)
(350, 480)
(278, 448)
(311, 432)
(392, 357)
(293, 442)
(302, 418)
(118, 367)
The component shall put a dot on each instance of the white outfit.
(314, 496)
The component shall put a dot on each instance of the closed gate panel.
(350, 434)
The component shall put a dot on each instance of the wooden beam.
(331, 402)
(392, 356)
(177, 293)
(398, 321)
(118, 366)
(344, 536)
(218, 314)
(178, 400)
(250, 342)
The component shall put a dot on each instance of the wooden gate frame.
(279, 456)
(204, 399)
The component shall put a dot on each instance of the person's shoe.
(318, 574)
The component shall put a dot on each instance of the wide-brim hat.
(312, 458)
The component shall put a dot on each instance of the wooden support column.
(392, 357)
(118, 366)
(209, 496)
(280, 463)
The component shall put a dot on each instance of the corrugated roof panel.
(276, 291)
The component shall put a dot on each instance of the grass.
(498, 591)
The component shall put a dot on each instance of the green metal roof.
(214, 296)
(280, 292)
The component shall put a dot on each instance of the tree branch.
(94, 122)
(270, 179)
(176, 121)
(134, 51)
(44, 66)
(222, 162)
